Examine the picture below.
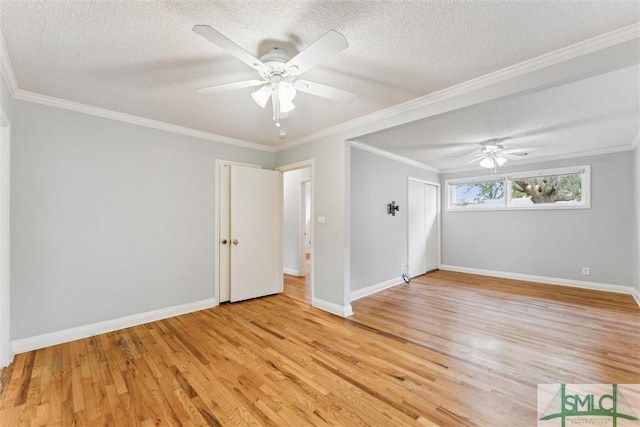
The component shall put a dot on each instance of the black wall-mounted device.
(392, 208)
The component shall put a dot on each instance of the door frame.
(6, 355)
(438, 218)
(216, 223)
(301, 165)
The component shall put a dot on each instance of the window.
(546, 189)
(482, 194)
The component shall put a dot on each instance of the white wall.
(110, 219)
(379, 241)
(552, 243)
(292, 207)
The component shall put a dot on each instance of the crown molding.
(6, 68)
(8, 75)
(136, 120)
(402, 159)
(551, 158)
(585, 47)
(392, 156)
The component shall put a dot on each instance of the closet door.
(423, 228)
(431, 226)
(417, 233)
(255, 233)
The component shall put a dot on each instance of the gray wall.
(552, 243)
(330, 155)
(379, 241)
(636, 220)
(109, 219)
(292, 208)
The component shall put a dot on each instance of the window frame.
(507, 178)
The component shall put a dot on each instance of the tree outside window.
(548, 189)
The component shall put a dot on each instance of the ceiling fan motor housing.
(492, 149)
(275, 62)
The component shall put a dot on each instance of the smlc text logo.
(611, 405)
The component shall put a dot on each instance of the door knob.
(234, 241)
(224, 241)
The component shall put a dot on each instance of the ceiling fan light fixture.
(261, 96)
(286, 93)
(492, 162)
(286, 105)
(487, 162)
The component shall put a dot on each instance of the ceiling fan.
(278, 72)
(492, 152)
(493, 155)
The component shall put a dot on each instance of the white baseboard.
(541, 279)
(338, 310)
(370, 290)
(291, 271)
(53, 338)
(636, 296)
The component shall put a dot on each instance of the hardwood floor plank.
(447, 349)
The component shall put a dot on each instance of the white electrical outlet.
(586, 271)
(402, 266)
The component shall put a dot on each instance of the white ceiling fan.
(279, 73)
(493, 155)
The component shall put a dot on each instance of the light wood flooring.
(448, 349)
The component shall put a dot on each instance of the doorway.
(298, 230)
(423, 229)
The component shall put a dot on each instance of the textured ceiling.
(594, 114)
(142, 58)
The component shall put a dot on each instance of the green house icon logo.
(579, 407)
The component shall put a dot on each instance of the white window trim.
(585, 203)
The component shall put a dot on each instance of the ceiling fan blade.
(512, 156)
(324, 91)
(325, 47)
(221, 41)
(522, 150)
(443, 146)
(477, 159)
(231, 86)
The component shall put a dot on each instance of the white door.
(417, 245)
(431, 226)
(256, 233)
(423, 231)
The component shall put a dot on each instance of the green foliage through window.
(548, 189)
